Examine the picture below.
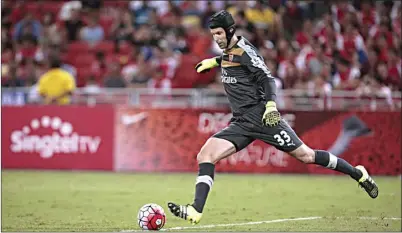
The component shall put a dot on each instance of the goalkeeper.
(251, 92)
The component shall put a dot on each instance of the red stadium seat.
(79, 46)
(83, 75)
(83, 60)
(31, 7)
(105, 46)
(52, 6)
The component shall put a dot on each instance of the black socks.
(203, 185)
(329, 160)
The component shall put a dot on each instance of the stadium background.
(141, 108)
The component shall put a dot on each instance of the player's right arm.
(207, 64)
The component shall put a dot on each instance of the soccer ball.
(151, 217)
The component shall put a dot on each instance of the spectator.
(122, 28)
(56, 86)
(395, 69)
(51, 31)
(29, 49)
(66, 11)
(73, 25)
(319, 86)
(12, 80)
(141, 72)
(143, 35)
(292, 17)
(287, 60)
(303, 58)
(268, 51)
(130, 67)
(243, 26)
(166, 60)
(176, 40)
(93, 32)
(141, 11)
(347, 76)
(383, 30)
(113, 78)
(153, 18)
(99, 67)
(6, 10)
(190, 8)
(368, 16)
(29, 69)
(28, 25)
(160, 81)
(382, 75)
(92, 87)
(273, 67)
(372, 87)
(7, 47)
(260, 15)
(304, 36)
(396, 17)
(208, 12)
(169, 19)
(292, 78)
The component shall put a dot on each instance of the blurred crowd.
(317, 46)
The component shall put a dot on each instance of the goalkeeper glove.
(206, 65)
(271, 115)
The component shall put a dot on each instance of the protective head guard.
(224, 20)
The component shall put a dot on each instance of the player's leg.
(324, 158)
(214, 150)
(221, 145)
(285, 139)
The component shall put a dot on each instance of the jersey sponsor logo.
(230, 57)
(230, 80)
(224, 73)
(255, 59)
(63, 140)
(225, 78)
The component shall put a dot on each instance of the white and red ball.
(151, 217)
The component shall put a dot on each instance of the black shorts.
(245, 129)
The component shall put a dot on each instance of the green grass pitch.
(92, 201)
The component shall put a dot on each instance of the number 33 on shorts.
(283, 138)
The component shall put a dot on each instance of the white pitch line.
(243, 224)
(263, 222)
(376, 218)
(235, 224)
(368, 218)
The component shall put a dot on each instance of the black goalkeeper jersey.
(243, 72)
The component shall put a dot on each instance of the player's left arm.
(262, 76)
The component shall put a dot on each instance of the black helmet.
(224, 20)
